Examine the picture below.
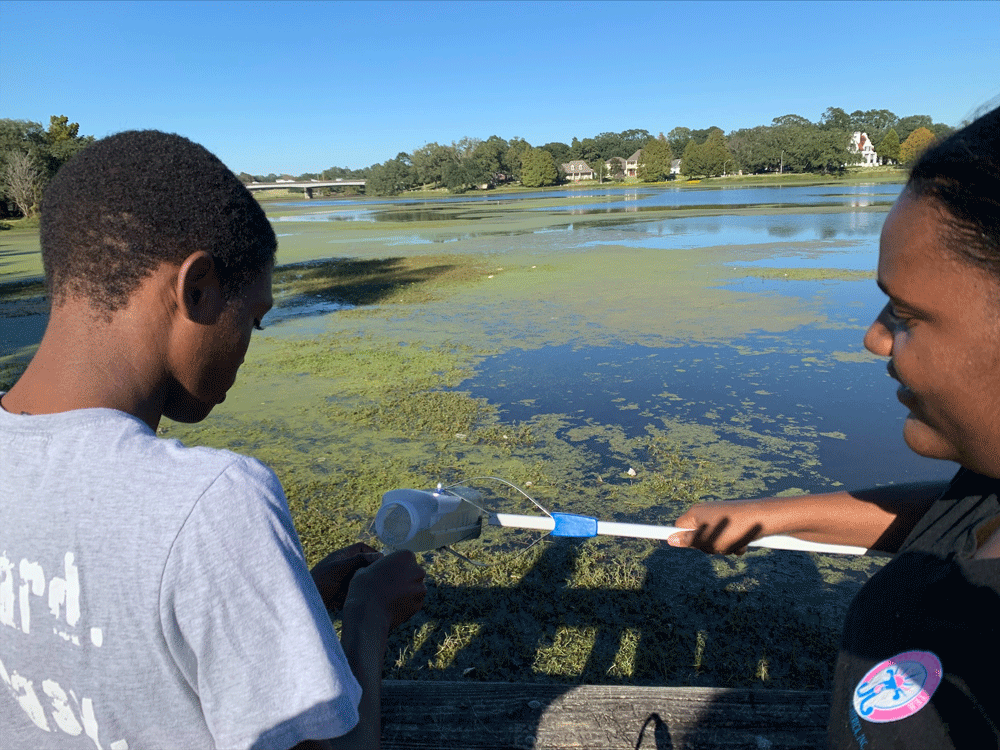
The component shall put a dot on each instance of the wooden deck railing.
(525, 716)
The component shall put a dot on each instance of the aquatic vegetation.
(9, 373)
(809, 274)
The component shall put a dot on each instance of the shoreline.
(858, 176)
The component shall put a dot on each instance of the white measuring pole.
(642, 531)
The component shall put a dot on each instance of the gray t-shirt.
(155, 596)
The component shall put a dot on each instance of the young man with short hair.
(154, 595)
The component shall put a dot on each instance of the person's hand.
(334, 572)
(394, 584)
(720, 527)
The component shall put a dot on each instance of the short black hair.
(130, 202)
(962, 173)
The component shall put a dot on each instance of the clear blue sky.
(294, 87)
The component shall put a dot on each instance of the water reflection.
(611, 200)
(861, 229)
(785, 392)
(827, 195)
(722, 195)
(640, 221)
(482, 198)
(303, 308)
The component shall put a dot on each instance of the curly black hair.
(962, 173)
(130, 202)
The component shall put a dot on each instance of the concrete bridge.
(306, 186)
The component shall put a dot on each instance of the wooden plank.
(525, 716)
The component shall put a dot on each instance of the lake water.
(729, 342)
(636, 198)
(845, 411)
(812, 386)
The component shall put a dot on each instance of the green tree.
(616, 167)
(631, 140)
(391, 177)
(907, 125)
(61, 129)
(656, 158)
(380, 181)
(888, 149)
(586, 150)
(21, 135)
(459, 176)
(512, 159)
(827, 150)
(874, 122)
(600, 169)
(465, 147)
(834, 118)
(917, 142)
(755, 150)
(791, 121)
(693, 162)
(941, 131)
(715, 153)
(538, 168)
(429, 162)
(607, 145)
(678, 138)
(560, 152)
(709, 158)
(791, 135)
(342, 173)
(603, 146)
(62, 143)
(488, 160)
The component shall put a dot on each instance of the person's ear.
(199, 291)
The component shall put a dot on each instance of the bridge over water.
(307, 186)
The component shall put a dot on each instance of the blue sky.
(294, 87)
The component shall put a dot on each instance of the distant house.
(632, 164)
(862, 144)
(615, 165)
(675, 166)
(577, 170)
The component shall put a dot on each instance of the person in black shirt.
(918, 664)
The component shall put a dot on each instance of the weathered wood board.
(459, 715)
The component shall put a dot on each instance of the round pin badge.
(897, 687)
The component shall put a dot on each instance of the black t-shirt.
(919, 664)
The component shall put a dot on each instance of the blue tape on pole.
(570, 524)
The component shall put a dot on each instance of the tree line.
(791, 143)
(30, 155)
